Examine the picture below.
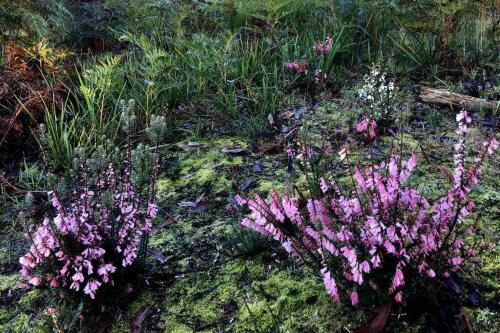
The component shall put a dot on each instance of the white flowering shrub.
(377, 94)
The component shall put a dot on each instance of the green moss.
(5, 315)
(490, 267)
(20, 324)
(265, 185)
(252, 268)
(208, 166)
(410, 144)
(293, 304)
(24, 317)
(205, 311)
(27, 300)
(161, 238)
(166, 188)
(171, 325)
(262, 301)
(230, 142)
(484, 320)
(201, 300)
(328, 116)
(8, 281)
(145, 300)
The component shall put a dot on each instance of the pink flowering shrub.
(320, 64)
(379, 234)
(100, 229)
(89, 241)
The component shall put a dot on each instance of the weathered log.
(445, 97)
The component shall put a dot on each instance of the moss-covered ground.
(206, 274)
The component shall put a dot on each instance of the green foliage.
(57, 138)
(97, 22)
(32, 177)
(34, 19)
(486, 320)
(225, 60)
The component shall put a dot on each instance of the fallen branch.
(445, 97)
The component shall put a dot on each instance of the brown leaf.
(445, 173)
(271, 147)
(166, 222)
(377, 324)
(201, 207)
(136, 323)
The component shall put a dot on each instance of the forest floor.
(207, 274)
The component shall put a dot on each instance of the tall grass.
(224, 60)
(59, 135)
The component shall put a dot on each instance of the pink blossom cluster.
(380, 227)
(88, 241)
(367, 126)
(297, 67)
(323, 47)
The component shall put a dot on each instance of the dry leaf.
(377, 324)
(136, 323)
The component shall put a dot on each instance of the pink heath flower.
(492, 146)
(325, 47)
(24, 272)
(354, 298)
(398, 279)
(343, 154)
(75, 286)
(36, 280)
(91, 288)
(78, 277)
(367, 125)
(323, 185)
(50, 311)
(362, 126)
(297, 67)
